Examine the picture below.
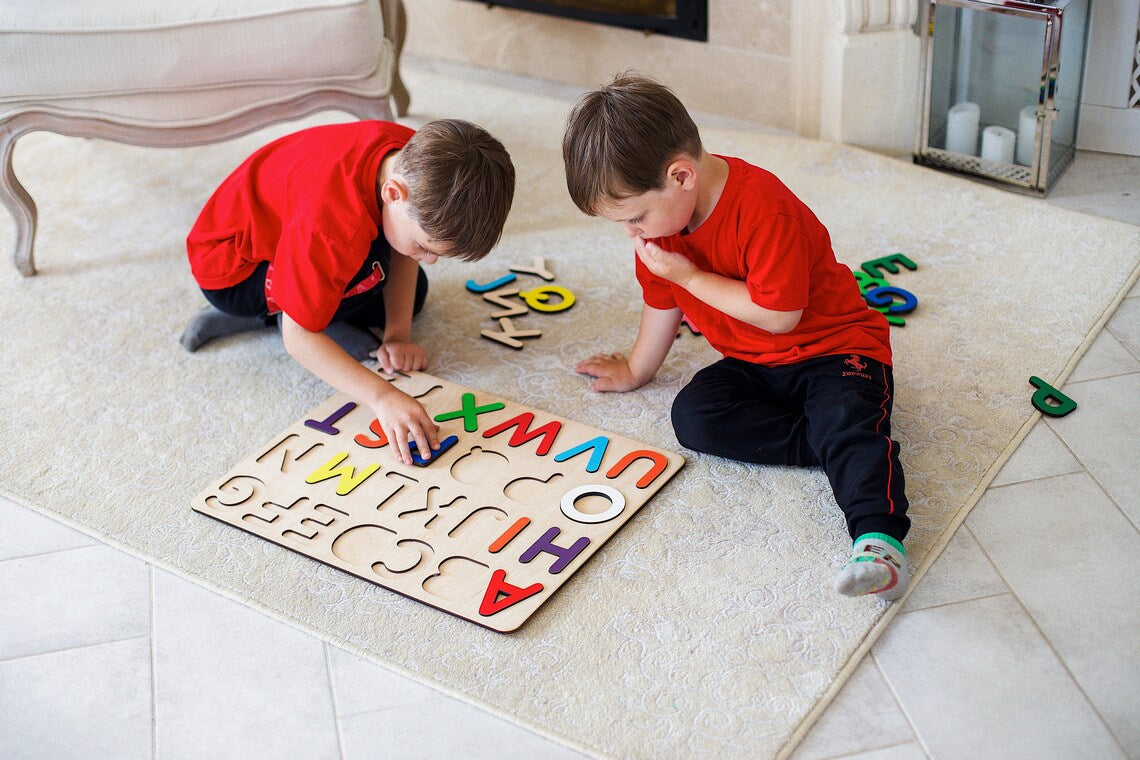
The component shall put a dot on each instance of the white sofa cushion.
(67, 49)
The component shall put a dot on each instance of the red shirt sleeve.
(777, 258)
(654, 291)
(304, 286)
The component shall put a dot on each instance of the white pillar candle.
(1026, 133)
(997, 143)
(962, 128)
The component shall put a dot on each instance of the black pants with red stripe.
(832, 412)
(247, 298)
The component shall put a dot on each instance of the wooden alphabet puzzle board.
(494, 523)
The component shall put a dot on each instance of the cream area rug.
(707, 626)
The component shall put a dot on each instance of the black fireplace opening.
(677, 18)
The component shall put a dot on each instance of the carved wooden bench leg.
(16, 199)
(396, 29)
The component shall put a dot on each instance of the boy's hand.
(401, 416)
(611, 372)
(665, 264)
(400, 356)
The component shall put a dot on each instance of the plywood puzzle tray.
(488, 529)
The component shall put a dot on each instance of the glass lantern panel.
(993, 61)
(1071, 72)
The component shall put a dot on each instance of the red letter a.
(511, 594)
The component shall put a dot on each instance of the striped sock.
(877, 566)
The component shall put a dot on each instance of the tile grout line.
(73, 649)
(1119, 339)
(1085, 468)
(335, 705)
(1111, 376)
(1049, 643)
(943, 605)
(153, 671)
(863, 754)
(898, 701)
(95, 543)
(1083, 471)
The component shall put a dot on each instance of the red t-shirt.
(307, 203)
(762, 234)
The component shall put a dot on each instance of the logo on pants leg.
(856, 363)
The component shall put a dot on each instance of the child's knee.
(691, 422)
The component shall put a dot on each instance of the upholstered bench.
(162, 74)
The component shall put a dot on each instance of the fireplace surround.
(842, 70)
(677, 18)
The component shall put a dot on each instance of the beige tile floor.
(1023, 641)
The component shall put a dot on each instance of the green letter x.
(469, 412)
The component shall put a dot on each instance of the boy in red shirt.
(329, 225)
(806, 375)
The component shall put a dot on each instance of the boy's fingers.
(398, 442)
(596, 360)
(422, 445)
(433, 436)
(404, 450)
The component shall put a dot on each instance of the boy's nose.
(632, 230)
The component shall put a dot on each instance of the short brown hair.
(460, 185)
(620, 140)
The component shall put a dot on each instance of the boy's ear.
(393, 189)
(682, 173)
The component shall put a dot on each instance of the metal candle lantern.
(1002, 88)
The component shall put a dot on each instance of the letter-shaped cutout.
(349, 479)
(444, 445)
(659, 464)
(889, 263)
(569, 503)
(892, 319)
(475, 287)
(511, 595)
(508, 535)
(537, 267)
(868, 282)
(523, 433)
(884, 296)
(380, 440)
(1046, 393)
(565, 554)
(598, 444)
(326, 425)
(509, 335)
(500, 298)
(469, 412)
(538, 298)
(288, 457)
(237, 490)
(686, 322)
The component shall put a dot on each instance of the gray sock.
(877, 566)
(211, 323)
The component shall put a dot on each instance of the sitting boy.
(330, 224)
(806, 375)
